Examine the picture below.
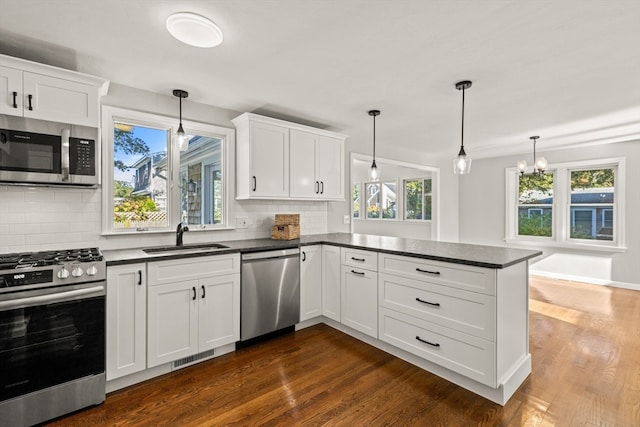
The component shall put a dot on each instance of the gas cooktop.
(41, 259)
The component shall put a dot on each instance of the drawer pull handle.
(15, 100)
(30, 97)
(139, 277)
(361, 273)
(203, 292)
(358, 259)
(435, 304)
(193, 288)
(427, 342)
(437, 273)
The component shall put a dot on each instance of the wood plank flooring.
(584, 341)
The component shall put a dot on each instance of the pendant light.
(374, 173)
(539, 164)
(462, 164)
(182, 138)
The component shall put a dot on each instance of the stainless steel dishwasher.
(270, 292)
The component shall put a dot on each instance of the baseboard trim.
(590, 280)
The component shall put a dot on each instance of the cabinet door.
(172, 322)
(310, 282)
(331, 282)
(218, 311)
(10, 84)
(126, 320)
(330, 167)
(302, 161)
(360, 300)
(269, 160)
(60, 100)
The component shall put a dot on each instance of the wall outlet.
(242, 222)
(346, 219)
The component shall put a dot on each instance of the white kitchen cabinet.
(331, 288)
(262, 159)
(468, 319)
(316, 166)
(193, 306)
(276, 159)
(126, 319)
(11, 90)
(310, 282)
(359, 293)
(43, 92)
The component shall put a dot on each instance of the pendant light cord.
(462, 131)
(374, 139)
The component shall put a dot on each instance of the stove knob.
(63, 273)
(77, 272)
(92, 270)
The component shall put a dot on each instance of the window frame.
(404, 199)
(562, 207)
(111, 114)
(380, 216)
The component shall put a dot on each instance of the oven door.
(51, 336)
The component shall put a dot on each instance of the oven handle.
(51, 298)
(64, 154)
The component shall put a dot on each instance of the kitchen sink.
(202, 247)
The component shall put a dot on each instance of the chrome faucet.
(182, 227)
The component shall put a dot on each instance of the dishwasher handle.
(282, 253)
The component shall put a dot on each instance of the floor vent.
(185, 361)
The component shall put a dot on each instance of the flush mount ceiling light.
(374, 174)
(194, 30)
(539, 165)
(183, 138)
(462, 164)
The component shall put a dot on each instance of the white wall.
(40, 218)
(482, 216)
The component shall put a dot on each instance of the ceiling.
(568, 70)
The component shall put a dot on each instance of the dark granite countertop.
(458, 253)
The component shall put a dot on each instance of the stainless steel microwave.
(37, 158)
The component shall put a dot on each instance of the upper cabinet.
(282, 160)
(48, 93)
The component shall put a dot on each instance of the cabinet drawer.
(469, 356)
(359, 258)
(459, 276)
(178, 270)
(467, 312)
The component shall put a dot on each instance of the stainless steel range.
(52, 334)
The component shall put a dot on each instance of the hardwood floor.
(584, 340)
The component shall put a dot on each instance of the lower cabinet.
(310, 282)
(126, 319)
(359, 290)
(192, 307)
(331, 289)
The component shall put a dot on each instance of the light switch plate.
(346, 219)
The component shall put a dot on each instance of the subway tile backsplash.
(42, 218)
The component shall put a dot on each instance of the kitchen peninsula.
(459, 311)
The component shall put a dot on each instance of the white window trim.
(561, 210)
(111, 114)
(404, 196)
(399, 199)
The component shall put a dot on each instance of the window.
(417, 196)
(381, 200)
(592, 204)
(535, 205)
(355, 200)
(578, 203)
(141, 168)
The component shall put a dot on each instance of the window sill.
(564, 245)
(192, 228)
